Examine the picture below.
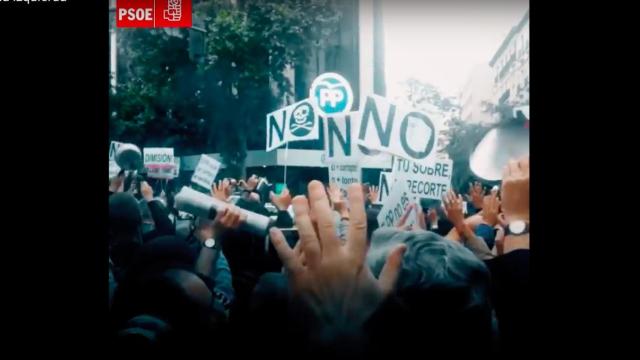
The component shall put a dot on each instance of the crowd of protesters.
(336, 285)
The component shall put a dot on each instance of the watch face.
(517, 227)
(210, 243)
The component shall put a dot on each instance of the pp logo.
(332, 94)
(302, 120)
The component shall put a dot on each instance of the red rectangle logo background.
(168, 19)
(135, 6)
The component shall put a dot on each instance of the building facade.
(510, 65)
(477, 94)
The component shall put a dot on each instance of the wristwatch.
(517, 227)
(211, 243)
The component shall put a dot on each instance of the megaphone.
(129, 157)
(495, 150)
(201, 205)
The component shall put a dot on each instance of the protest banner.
(340, 136)
(410, 134)
(339, 139)
(296, 122)
(394, 205)
(430, 179)
(206, 171)
(159, 162)
(114, 169)
(344, 175)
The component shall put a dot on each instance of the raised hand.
(146, 190)
(228, 218)
(515, 190)
(453, 207)
(405, 216)
(373, 193)
(281, 201)
(422, 223)
(476, 195)
(332, 279)
(515, 201)
(116, 184)
(221, 190)
(491, 208)
(251, 183)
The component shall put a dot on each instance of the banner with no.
(407, 133)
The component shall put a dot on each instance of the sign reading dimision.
(153, 13)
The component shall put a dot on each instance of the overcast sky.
(440, 41)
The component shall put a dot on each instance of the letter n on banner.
(276, 122)
(340, 136)
(381, 137)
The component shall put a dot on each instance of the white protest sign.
(344, 175)
(340, 136)
(385, 185)
(339, 139)
(159, 162)
(410, 134)
(296, 122)
(206, 171)
(430, 179)
(394, 205)
(114, 169)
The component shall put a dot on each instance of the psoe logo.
(332, 94)
(153, 13)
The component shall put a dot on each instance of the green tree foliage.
(462, 137)
(165, 98)
(248, 47)
(157, 99)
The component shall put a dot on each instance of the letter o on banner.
(403, 139)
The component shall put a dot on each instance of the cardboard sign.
(430, 180)
(394, 205)
(206, 171)
(410, 134)
(385, 185)
(296, 122)
(159, 162)
(114, 169)
(340, 136)
(344, 175)
(339, 139)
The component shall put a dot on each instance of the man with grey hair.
(442, 292)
